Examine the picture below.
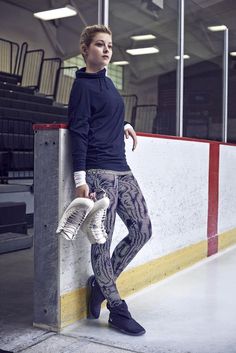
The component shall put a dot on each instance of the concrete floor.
(192, 311)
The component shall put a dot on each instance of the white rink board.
(227, 189)
(173, 175)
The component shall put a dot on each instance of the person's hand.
(82, 191)
(132, 133)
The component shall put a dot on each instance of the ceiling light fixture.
(186, 56)
(121, 63)
(217, 28)
(61, 12)
(142, 51)
(143, 37)
(233, 53)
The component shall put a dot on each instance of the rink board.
(191, 201)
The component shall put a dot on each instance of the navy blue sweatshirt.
(96, 123)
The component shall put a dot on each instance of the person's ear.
(84, 50)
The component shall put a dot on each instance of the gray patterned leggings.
(127, 200)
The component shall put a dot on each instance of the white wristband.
(80, 178)
(128, 126)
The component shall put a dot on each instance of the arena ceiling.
(129, 17)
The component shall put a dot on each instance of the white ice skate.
(73, 217)
(93, 225)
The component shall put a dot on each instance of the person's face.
(99, 52)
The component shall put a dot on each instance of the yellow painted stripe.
(156, 270)
(73, 304)
(227, 239)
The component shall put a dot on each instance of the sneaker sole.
(126, 332)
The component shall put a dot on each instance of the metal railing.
(64, 81)
(20, 64)
(145, 118)
(16, 149)
(130, 102)
(49, 75)
(32, 68)
(9, 52)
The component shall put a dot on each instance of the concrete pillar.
(61, 267)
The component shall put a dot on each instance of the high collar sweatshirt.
(96, 123)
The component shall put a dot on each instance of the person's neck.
(92, 70)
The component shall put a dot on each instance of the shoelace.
(97, 225)
(73, 222)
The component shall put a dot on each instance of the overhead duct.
(152, 6)
(158, 3)
(206, 3)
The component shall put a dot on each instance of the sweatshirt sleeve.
(78, 114)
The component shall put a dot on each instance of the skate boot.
(73, 217)
(93, 226)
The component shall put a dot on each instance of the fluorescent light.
(233, 53)
(143, 37)
(217, 28)
(186, 56)
(61, 12)
(120, 63)
(141, 51)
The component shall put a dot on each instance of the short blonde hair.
(89, 33)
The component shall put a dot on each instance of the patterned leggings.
(127, 200)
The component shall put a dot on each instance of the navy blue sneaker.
(121, 319)
(95, 298)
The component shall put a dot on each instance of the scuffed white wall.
(227, 189)
(173, 175)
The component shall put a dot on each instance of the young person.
(97, 128)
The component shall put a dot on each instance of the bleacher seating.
(21, 102)
(19, 109)
(13, 227)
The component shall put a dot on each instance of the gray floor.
(191, 312)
